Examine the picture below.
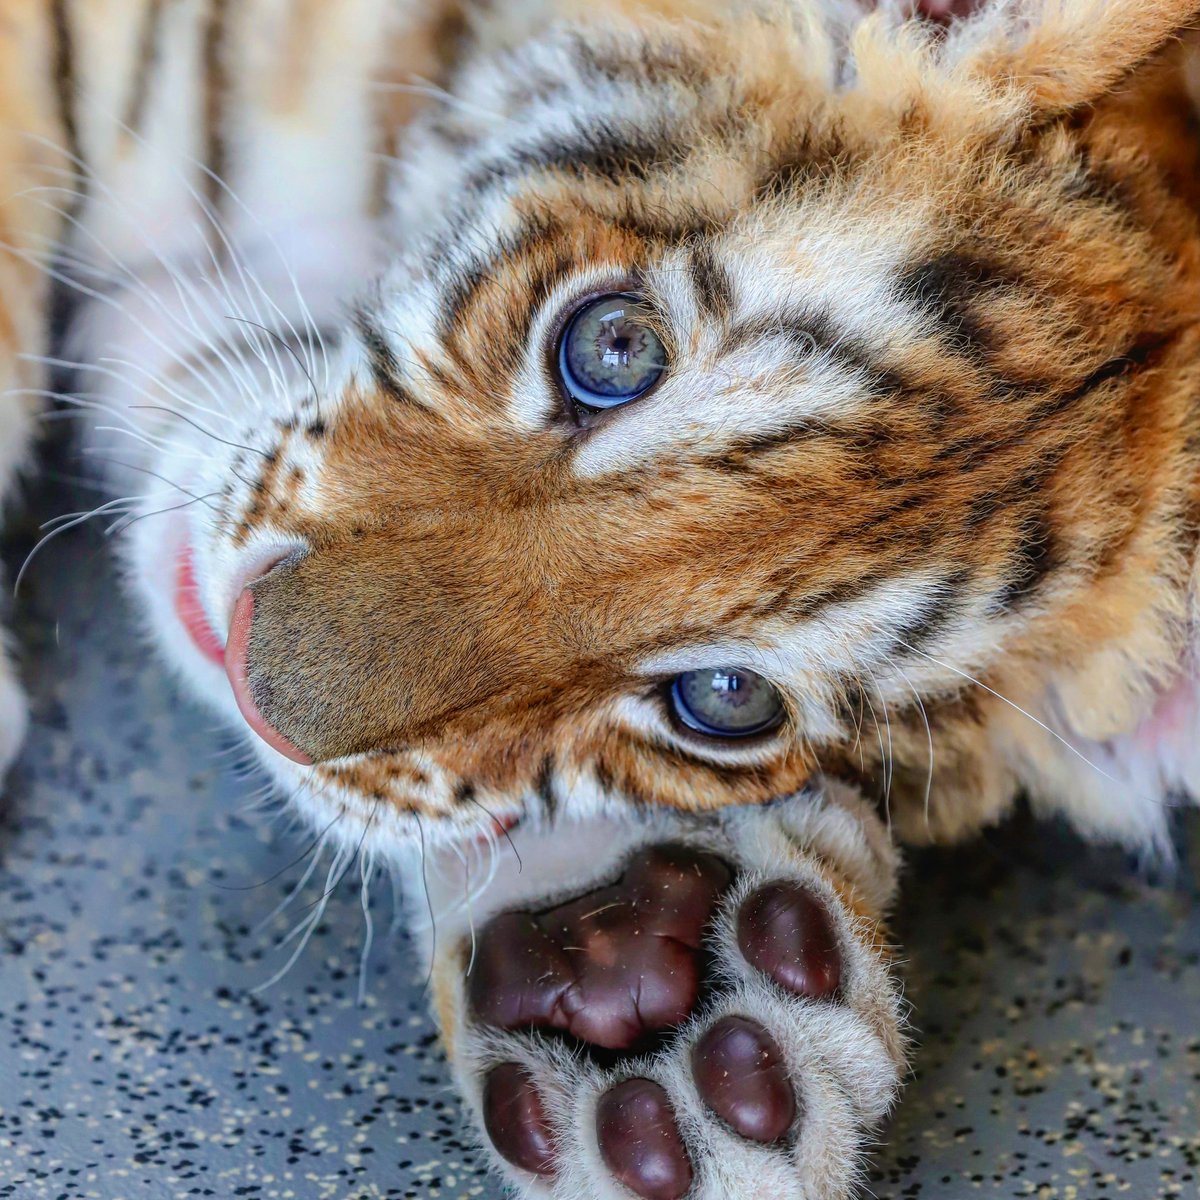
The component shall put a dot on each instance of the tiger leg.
(31, 157)
(675, 1006)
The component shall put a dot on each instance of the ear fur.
(1062, 54)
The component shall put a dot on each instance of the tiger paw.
(704, 1011)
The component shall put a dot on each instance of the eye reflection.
(727, 702)
(608, 354)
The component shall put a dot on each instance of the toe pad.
(741, 1077)
(640, 1142)
(785, 931)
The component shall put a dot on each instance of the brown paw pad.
(609, 967)
(622, 966)
(515, 1119)
(741, 1077)
(786, 932)
(640, 1142)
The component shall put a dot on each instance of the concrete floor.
(1056, 989)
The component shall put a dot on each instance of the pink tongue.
(236, 668)
(191, 612)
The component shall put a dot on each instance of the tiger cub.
(681, 447)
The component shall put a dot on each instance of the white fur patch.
(14, 713)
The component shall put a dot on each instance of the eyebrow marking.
(385, 366)
(711, 283)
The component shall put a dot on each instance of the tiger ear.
(1066, 53)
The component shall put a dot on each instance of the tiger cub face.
(732, 401)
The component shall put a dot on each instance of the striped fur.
(931, 335)
(927, 455)
(918, 319)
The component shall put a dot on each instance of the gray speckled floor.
(1057, 992)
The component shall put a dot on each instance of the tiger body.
(926, 455)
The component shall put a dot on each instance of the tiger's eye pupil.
(726, 702)
(608, 355)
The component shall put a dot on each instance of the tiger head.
(748, 394)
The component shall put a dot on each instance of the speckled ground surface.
(1057, 991)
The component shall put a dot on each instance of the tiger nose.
(237, 668)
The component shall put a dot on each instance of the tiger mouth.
(191, 611)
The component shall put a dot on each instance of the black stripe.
(147, 57)
(1035, 481)
(544, 786)
(607, 151)
(1144, 353)
(815, 159)
(920, 631)
(815, 334)
(461, 292)
(711, 283)
(652, 67)
(65, 91)
(604, 775)
(466, 279)
(741, 455)
(656, 64)
(654, 223)
(216, 89)
(812, 603)
(385, 367)
(950, 288)
(1096, 183)
(1035, 560)
(913, 502)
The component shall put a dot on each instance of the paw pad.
(624, 970)
(640, 1141)
(741, 1077)
(515, 1119)
(785, 932)
(611, 966)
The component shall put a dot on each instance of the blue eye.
(608, 354)
(726, 702)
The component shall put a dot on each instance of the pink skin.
(1173, 718)
(945, 10)
(190, 611)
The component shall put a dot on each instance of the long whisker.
(120, 527)
(250, 887)
(367, 870)
(207, 432)
(116, 462)
(890, 760)
(503, 829)
(300, 884)
(101, 510)
(362, 837)
(1017, 708)
(308, 926)
(928, 736)
(428, 900)
(887, 798)
(292, 351)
